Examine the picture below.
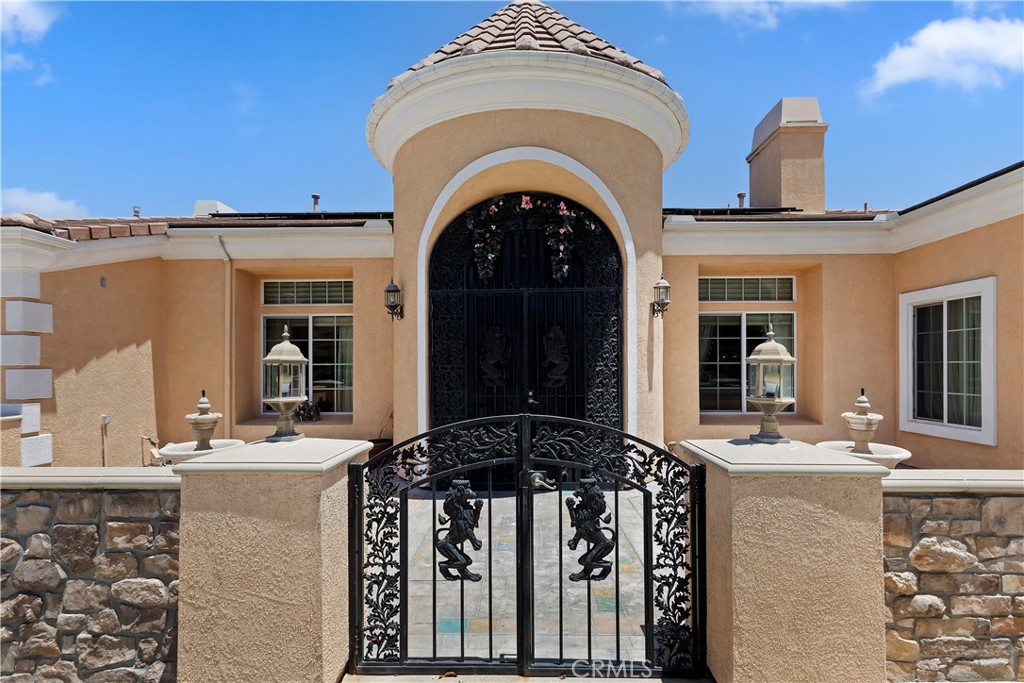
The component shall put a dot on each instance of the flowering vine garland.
(560, 221)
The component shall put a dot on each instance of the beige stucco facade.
(840, 300)
(269, 529)
(627, 164)
(996, 249)
(823, 535)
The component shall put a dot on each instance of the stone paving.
(478, 619)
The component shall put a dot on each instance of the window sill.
(943, 431)
(753, 419)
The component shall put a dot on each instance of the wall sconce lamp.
(284, 385)
(769, 392)
(662, 290)
(393, 300)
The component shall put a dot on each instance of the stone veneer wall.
(954, 587)
(89, 586)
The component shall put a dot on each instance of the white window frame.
(985, 288)
(264, 410)
(263, 301)
(743, 374)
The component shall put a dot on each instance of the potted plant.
(381, 443)
(307, 411)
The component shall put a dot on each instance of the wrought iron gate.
(595, 560)
(525, 313)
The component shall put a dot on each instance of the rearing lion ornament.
(462, 508)
(587, 510)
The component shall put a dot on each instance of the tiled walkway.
(478, 619)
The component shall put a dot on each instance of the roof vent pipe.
(316, 202)
(741, 196)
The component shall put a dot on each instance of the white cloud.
(245, 97)
(15, 61)
(46, 204)
(45, 76)
(660, 39)
(757, 14)
(26, 21)
(966, 52)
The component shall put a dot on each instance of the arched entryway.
(525, 313)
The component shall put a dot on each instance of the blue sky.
(258, 104)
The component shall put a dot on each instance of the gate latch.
(536, 480)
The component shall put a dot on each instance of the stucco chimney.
(787, 157)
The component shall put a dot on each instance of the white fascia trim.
(690, 238)
(590, 178)
(112, 250)
(986, 288)
(526, 80)
(26, 249)
(993, 201)
(955, 481)
(976, 207)
(89, 478)
(375, 241)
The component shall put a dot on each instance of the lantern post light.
(284, 385)
(393, 300)
(768, 392)
(662, 290)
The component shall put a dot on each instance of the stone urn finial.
(203, 423)
(862, 424)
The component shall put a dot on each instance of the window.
(725, 340)
(292, 292)
(947, 361)
(326, 341)
(745, 289)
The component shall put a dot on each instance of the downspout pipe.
(229, 337)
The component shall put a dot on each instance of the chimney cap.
(789, 112)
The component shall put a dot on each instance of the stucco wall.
(191, 340)
(624, 159)
(792, 578)
(998, 250)
(790, 171)
(845, 313)
(373, 345)
(271, 543)
(102, 351)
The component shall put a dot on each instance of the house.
(527, 235)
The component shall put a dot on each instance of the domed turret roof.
(531, 25)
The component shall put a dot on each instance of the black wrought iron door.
(525, 313)
(592, 564)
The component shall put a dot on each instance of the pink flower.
(562, 211)
(565, 267)
(492, 209)
(561, 231)
(561, 247)
(526, 203)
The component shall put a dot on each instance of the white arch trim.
(422, 264)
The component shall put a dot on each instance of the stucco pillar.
(264, 563)
(794, 549)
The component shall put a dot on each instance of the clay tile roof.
(532, 25)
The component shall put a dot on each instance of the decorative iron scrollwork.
(587, 511)
(462, 508)
(556, 360)
(492, 356)
(608, 451)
